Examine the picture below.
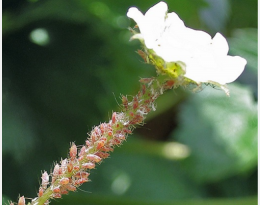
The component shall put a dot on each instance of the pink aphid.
(135, 103)
(56, 195)
(110, 133)
(100, 144)
(64, 191)
(70, 187)
(143, 89)
(93, 158)
(56, 170)
(82, 151)
(45, 180)
(76, 167)
(97, 131)
(64, 181)
(125, 102)
(145, 80)
(88, 165)
(82, 175)
(70, 167)
(73, 151)
(40, 193)
(88, 143)
(102, 155)
(103, 128)
(81, 158)
(80, 181)
(21, 201)
(114, 117)
(56, 189)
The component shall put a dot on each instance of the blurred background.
(65, 64)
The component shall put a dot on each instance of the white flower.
(202, 58)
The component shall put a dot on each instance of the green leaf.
(103, 199)
(244, 43)
(221, 133)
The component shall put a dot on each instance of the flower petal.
(136, 15)
(220, 45)
(231, 67)
(202, 58)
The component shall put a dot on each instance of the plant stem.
(74, 171)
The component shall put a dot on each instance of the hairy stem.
(72, 172)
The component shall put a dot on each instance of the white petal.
(220, 45)
(205, 59)
(137, 36)
(174, 22)
(154, 24)
(157, 11)
(231, 68)
(136, 15)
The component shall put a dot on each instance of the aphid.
(80, 181)
(127, 131)
(135, 103)
(82, 151)
(100, 144)
(102, 155)
(93, 137)
(45, 180)
(56, 170)
(81, 158)
(40, 193)
(46, 202)
(145, 80)
(88, 165)
(76, 168)
(97, 131)
(107, 149)
(125, 102)
(116, 142)
(169, 83)
(73, 151)
(143, 55)
(103, 127)
(93, 157)
(88, 143)
(82, 175)
(143, 89)
(64, 181)
(71, 187)
(56, 190)
(114, 117)
(121, 137)
(21, 201)
(64, 191)
(70, 167)
(110, 133)
(56, 195)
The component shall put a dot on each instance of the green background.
(197, 148)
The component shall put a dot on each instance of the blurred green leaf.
(99, 199)
(221, 133)
(244, 43)
(216, 14)
(141, 176)
(19, 134)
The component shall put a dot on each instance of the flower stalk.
(73, 171)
